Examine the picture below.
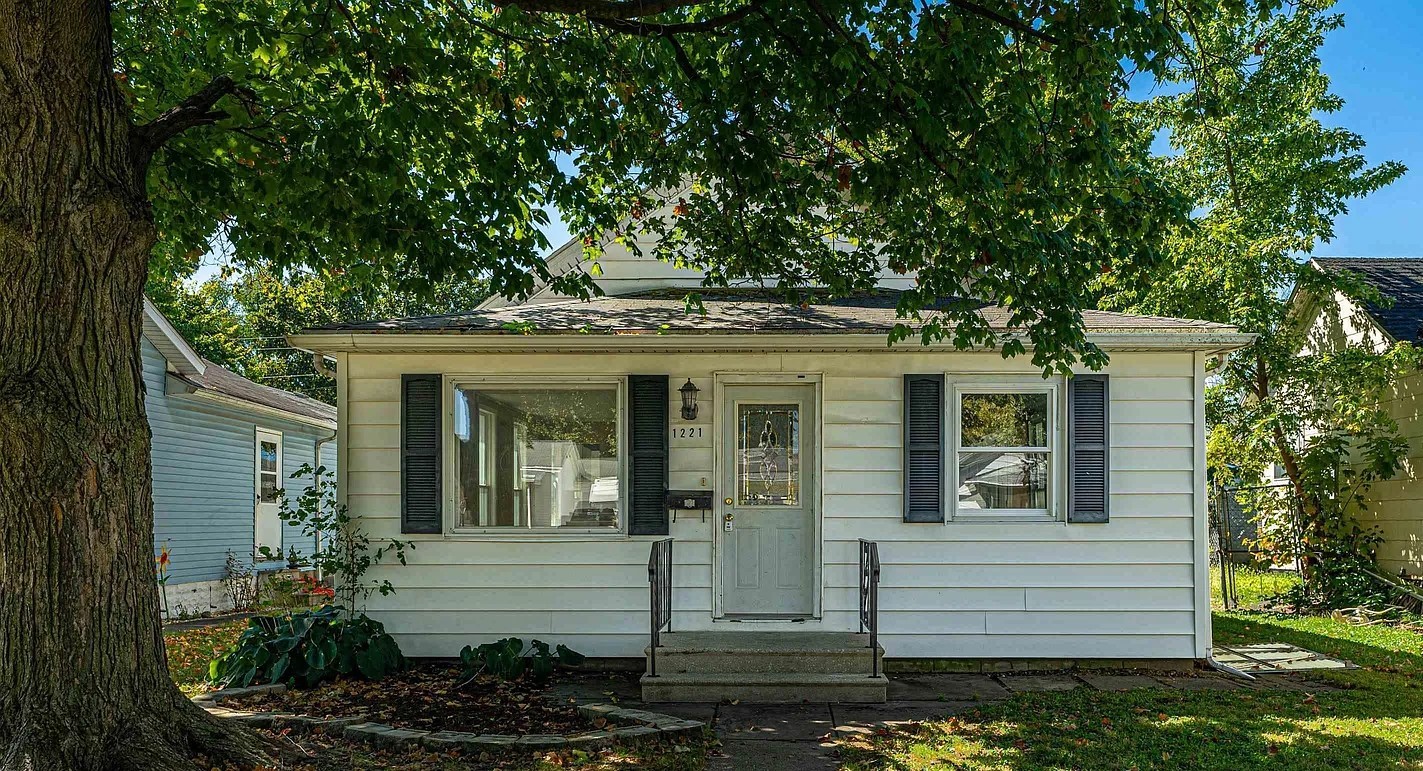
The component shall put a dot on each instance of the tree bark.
(83, 677)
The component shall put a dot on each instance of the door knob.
(727, 501)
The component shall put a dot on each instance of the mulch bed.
(432, 697)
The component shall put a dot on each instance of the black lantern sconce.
(689, 400)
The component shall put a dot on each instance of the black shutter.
(1088, 445)
(923, 448)
(421, 494)
(647, 454)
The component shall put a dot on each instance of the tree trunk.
(83, 678)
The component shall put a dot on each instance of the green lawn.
(1376, 723)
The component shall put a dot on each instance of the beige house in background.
(1398, 503)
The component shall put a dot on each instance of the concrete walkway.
(780, 737)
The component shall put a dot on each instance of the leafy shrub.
(343, 549)
(307, 647)
(507, 659)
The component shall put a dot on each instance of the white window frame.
(532, 382)
(1056, 447)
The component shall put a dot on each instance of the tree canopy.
(973, 143)
(1245, 111)
(241, 320)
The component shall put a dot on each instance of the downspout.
(318, 362)
(1226, 668)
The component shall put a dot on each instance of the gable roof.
(1397, 278)
(221, 381)
(202, 377)
(180, 356)
(727, 311)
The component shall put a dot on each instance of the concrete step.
(764, 688)
(765, 653)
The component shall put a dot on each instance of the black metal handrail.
(869, 599)
(659, 579)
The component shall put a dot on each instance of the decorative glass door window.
(1004, 452)
(768, 455)
(537, 457)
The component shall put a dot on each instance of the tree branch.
(1017, 25)
(599, 9)
(196, 110)
(639, 27)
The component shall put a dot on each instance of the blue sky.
(1375, 66)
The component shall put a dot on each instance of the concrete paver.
(742, 754)
(946, 688)
(774, 722)
(1039, 683)
(866, 718)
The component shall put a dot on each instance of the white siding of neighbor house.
(1131, 588)
(1395, 505)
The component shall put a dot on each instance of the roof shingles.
(1397, 278)
(222, 380)
(731, 311)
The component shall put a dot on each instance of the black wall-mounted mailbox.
(689, 500)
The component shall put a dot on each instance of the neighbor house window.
(537, 457)
(1005, 451)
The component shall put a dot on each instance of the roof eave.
(188, 388)
(790, 340)
(169, 342)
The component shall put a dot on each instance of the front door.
(768, 463)
(267, 531)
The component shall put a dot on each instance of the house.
(223, 449)
(1396, 506)
(538, 453)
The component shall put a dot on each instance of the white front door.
(768, 476)
(268, 529)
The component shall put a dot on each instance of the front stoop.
(765, 668)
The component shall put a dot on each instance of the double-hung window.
(1006, 450)
(538, 457)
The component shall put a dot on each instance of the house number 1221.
(687, 432)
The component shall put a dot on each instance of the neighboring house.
(1396, 505)
(223, 446)
(535, 453)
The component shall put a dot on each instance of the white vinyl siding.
(1124, 589)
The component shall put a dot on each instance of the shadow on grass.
(1158, 729)
(1374, 720)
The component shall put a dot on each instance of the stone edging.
(631, 725)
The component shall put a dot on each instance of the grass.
(1252, 585)
(1375, 722)
(191, 650)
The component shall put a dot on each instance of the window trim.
(259, 435)
(1056, 447)
(531, 381)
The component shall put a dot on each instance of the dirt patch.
(432, 697)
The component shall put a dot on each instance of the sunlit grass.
(1374, 722)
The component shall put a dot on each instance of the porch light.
(689, 400)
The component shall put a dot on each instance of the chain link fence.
(1241, 520)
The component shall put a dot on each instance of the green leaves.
(306, 648)
(1266, 178)
(429, 141)
(507, 659)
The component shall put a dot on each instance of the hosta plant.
(305, 648)
(508, 659)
